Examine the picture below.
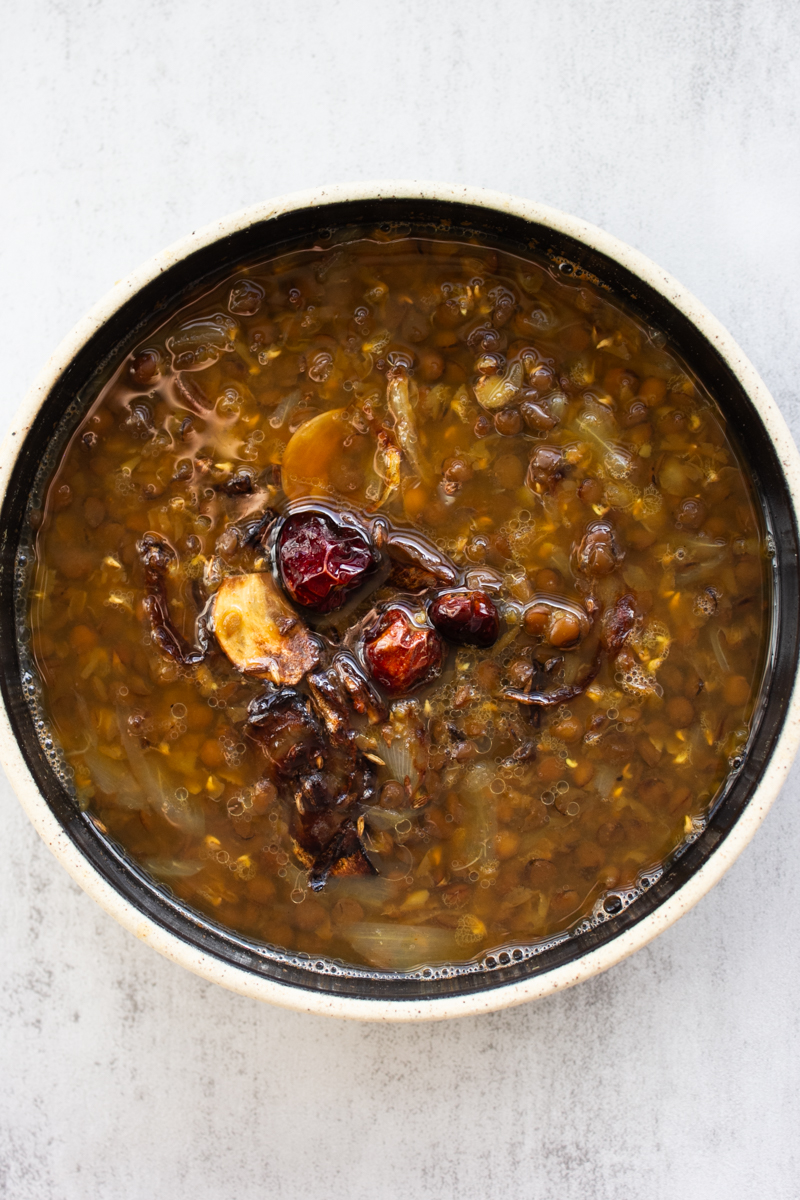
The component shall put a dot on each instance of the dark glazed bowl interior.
(425, 217)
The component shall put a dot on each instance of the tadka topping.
(400, 602)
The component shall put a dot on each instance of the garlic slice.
(259, 632)
(330, 456)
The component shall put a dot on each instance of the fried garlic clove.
(260, 633)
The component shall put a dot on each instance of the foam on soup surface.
(400, 602)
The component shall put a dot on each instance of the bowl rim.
(594, 961)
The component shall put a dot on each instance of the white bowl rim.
(239, 979)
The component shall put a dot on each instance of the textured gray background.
(675, 126)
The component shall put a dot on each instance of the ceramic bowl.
(186, 937)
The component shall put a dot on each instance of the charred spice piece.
(558, 695)
(320, 772)
(619, 621)
(156, 555)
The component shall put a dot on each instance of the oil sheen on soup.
(400, 601)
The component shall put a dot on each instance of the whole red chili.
(400, 654)
(467, 618)
(321, 562)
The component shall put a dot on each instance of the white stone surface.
(675, 126)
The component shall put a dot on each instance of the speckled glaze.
(591, 963)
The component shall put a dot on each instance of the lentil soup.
(402, 602)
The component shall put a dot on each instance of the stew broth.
(400, 602)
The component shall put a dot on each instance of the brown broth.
(543, 409)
